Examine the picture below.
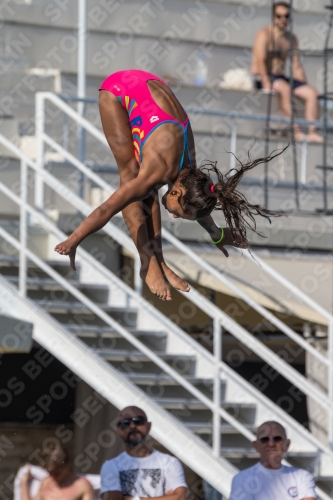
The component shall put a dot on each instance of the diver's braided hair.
(200, 200)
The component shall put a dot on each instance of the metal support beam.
(81, 83)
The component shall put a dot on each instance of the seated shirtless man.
(270, 51)
(61, 484)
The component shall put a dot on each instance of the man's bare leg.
(310, 96)
(283, 89)
(119, 136)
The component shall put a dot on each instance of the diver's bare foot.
(314, 137)
(174, 280)
(67, 247)
(155, 281)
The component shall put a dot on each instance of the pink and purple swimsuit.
(131, 89)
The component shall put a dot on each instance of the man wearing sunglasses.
(269, 479)
(140, 472)
(270, 52)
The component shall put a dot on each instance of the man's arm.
(298, 70)
(260, 58)
(87, 490)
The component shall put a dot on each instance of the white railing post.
(233, 143)
(39, 127)
(330, 381)
(303, 160)
(137, 278)
(65, 132)
(23, 229)
(217, 342)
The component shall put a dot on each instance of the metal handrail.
(201, 262)
(169, 237)
(116, 388)
(99, 136)
(217, 112)
(200, 301)
(290, 286)
(115, 325)
(244, 431)
(150, 309)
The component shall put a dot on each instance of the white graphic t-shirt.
(150, 476)
(259, 483)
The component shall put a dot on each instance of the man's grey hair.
(269, 423)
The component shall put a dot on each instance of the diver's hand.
(229, 240)
(67, 248)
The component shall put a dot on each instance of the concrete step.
(187, 20)
(186, 24)
(165, 40)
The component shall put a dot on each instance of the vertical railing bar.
(65, 131)
(303, 159)
(39, 127)
(217, 388)
(233, 143)
(137, 278)
(23, 229)
(330, 383)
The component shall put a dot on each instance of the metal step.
(135, 361)
(9, 266)
(234, 452)
(96, 336)
(102, 337)
(42, 288)
(122, 355)
(76, 312)
(193, 410)
(165, 380)
(161, 387)
(106, 331)
(55, 306)
(207, 428)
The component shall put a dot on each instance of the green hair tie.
(222, 236)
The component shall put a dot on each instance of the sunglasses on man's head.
(126, 422)
(276, 439)
(280, 16)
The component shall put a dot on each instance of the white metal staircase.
(136, 354)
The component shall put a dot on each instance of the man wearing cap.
(269, 479)
(140, 472)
